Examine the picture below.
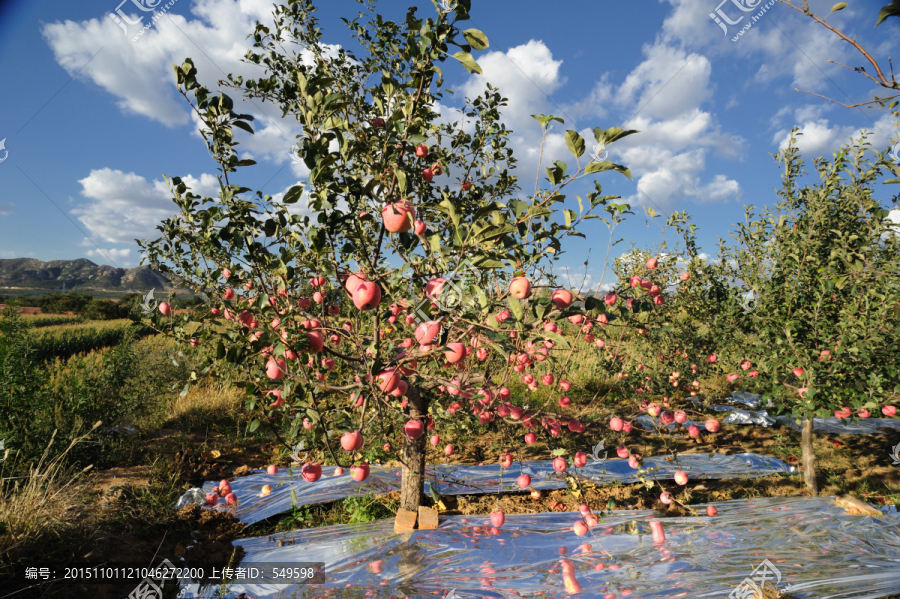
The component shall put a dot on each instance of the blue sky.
(92, 121)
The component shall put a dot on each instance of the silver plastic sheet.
(739, 416)
(448, 479)
(835, 426)
(807, 547)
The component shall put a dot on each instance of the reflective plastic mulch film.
(805, 547)
(446, 479)
(832, 426)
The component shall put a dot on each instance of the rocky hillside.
(20, 274)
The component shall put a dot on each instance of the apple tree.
(821, 266)
(404, 276)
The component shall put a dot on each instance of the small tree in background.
(411, 283)
(822, 266)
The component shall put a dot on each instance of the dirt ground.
(115, 523)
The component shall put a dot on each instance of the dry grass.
(202, 402)
(32, 505)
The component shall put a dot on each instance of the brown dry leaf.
(211, 454)
(179, 550)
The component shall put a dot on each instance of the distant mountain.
(20, 275)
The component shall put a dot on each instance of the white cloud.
(782, 43)
(123, 206)
(820, 137)
(120, 258)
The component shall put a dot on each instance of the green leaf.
(254, 425)
(557, 338)
(293, 194)
(476, 39)
(558, 452)
(468, 62)
(608, 136)
(606, 165)
(575, 143)
(838, 6)
(889, 10)
(401, 180)
(516, 308)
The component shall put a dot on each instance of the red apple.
(523, 481)
(564, 402)
(427, 332)
(560, 464)
(414, 429)
(530, 438)
(681, 478)
(842, 413)
(359, 473)
(419, 227)
(229, 294)
(622, 451)
(685, 276)
(505, 460)
(712, 425)
(693, 431)
(711, 511)
(352, 441)
(498, 518)
(580, 459)
(680, 417)
(231, 499)
(427, 174)
(616, 424)
(338, 471)
(610, 299)
(562, 298)
(580, 528)
(455, 353)
(377, 123)
(272, 469)
(422, 151)
(399, 216)
(367, 296)
(435, 440)
(311, 472)
(652, 263)
(388, 380)
(665, 497)
(889, 411)
(798, 372)
(165, 308)
(520, 288)
(353, 281)
(448, 450)
(275, 369)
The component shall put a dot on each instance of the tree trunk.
(808, 457)
(412, 483)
